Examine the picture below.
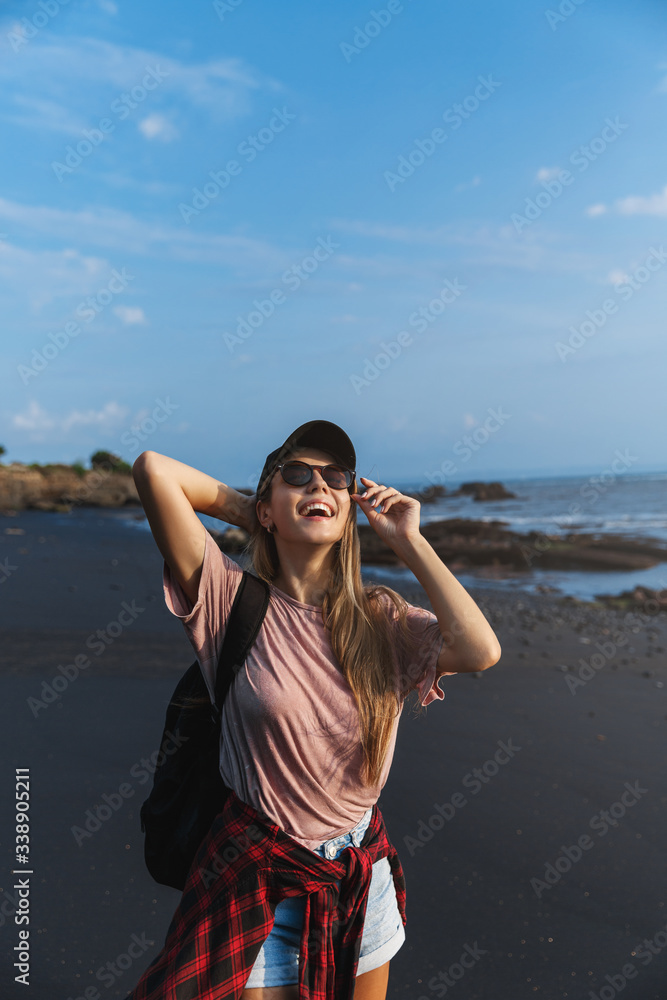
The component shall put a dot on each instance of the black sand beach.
(545, 867)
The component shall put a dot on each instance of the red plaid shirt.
(243, 868)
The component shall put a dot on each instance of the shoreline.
(481, 554)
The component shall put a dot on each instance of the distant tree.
(109, 462)
(3, 450)
(79, 468)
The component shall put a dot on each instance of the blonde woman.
(309, 724)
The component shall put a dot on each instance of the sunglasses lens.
(298, 474)
(336, 477)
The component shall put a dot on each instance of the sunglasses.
(300, 473)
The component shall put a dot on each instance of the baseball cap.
(320, 434)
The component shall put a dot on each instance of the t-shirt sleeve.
(205, 621)
(418, 670)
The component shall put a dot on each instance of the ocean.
(631, 505)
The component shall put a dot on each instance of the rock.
(429, 494)
(485, 491)
(232, 540)
(59, 487)
(466, 542)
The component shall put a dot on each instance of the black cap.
(320, 434)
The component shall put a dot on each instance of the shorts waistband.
(332, 848)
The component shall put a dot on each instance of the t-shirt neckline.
(292, 600)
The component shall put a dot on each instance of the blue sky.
(437, 225)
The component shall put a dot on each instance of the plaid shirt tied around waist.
(243, 868)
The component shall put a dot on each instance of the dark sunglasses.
(300, 473)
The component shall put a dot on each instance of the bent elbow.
(494, 656)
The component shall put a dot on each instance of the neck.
(305, 578)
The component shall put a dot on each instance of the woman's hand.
(394, 517)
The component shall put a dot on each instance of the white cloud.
(548, 173)
(655, 204)
(636, 204)
(469, 420)
(490, 247)
(158, 127)
(617, 276)
(118, 230)
(45, 276)
(130, 315)
(469, 184)
(86, 67)
(35, 113)
(36, 421)
(108, 6)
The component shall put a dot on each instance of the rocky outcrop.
(60, 487)
(478, 491)
(463, 543)
(485, 491)
(650, 601)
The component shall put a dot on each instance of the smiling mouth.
(316, 514)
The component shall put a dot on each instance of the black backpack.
(188, 791)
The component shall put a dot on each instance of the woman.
(309, 725)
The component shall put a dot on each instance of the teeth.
(316, 506)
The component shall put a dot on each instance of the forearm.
(206, 494)
(472, 640)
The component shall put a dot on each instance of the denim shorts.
(277, 963)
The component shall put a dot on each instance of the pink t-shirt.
(289, 743)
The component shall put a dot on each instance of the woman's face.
(286, 503)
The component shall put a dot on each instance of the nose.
(317, 479)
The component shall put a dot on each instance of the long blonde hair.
(363, 639)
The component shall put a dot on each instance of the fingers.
(377, 497)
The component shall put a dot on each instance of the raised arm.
(170, 493)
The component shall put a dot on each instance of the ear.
(262, 514)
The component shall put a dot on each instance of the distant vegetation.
(104, 461)
(110, 462)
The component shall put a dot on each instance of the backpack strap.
(245, 619)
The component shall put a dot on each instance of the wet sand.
(556, 736)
